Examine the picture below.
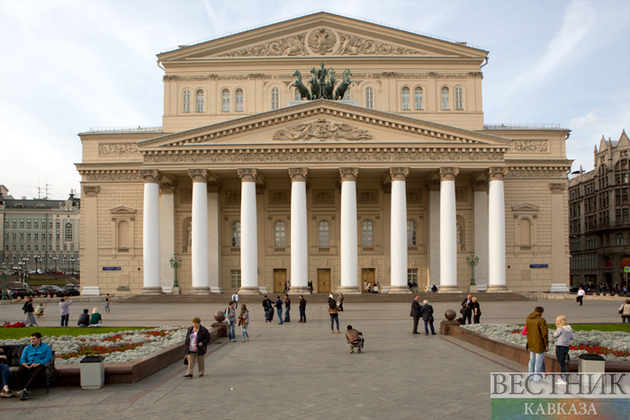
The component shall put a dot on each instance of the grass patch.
(15, 333)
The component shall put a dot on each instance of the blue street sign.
(539, 266)
(111, 268)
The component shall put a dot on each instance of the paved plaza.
(303, 371)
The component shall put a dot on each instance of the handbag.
(431, 319)
(622, 308)
(186, 360)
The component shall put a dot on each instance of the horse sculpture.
(300, 86)
(343, 86)
(315, 90)
(330, 85)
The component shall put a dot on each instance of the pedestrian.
(624, 310)
(287, 308)
(302, 309)
(580, 296)
(427, 317)
(286, 288)
(65, 311)
(268, 308)
(195, 345)
(476, 310)
(340, 301)
(310, 287)
(465, 311)
(537, 341)
(334, 316)
(5, 375)
(235, 299)
(29, 310)
(365, 286)
(84, 319)
(32, 364)
(243, 321)
(279, 309)
(354, 339)
(376, 288)
(563, 336)
(39, 309)
(415, 313)
(107, 300)
(96, 319)
(369, 287)
(230, 321)
(331, 298)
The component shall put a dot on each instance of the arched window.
(418, 99)
(68, 232)
(459, 98)
(412, 233)
(279, 234)
(368, 233)
(236, 235)
(186, 100)
(239, 100)
(445, 98)
(225, 100)
(199, 96)
(324, 234)
(275, 98)
(369, 98)
(405, 98)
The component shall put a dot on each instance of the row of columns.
(445, 240)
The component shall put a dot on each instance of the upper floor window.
(28, 224)
(236, 235)
(21, 224)
(275, 98)
(445, 98)
(298, 97)
(412, 236)
(68, 232)
(324, 239)
(459, 98)
(279, 234)
(418, 99)
(368, 233)
(186, 100)
(199, 96)
(619, 239)
(36, 224)
(226, 100)
(369, 97)
(346, 96)
(239, 100)
(57, 224)
(405, 98)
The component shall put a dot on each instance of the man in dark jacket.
(268, 308)
(415, 313)
(466, 310)
(427, 317)
(302, 309)
(84, 319)
(197, 340)
(287, 307)
(279, 309)
(354, 339)
(537, 341)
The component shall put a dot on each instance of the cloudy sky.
(66, 66)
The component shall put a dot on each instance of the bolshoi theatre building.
(329, 150)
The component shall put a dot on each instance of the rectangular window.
(412, 275)
(235, 279)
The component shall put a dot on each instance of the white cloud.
(588, 120)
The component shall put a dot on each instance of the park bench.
(14, 353)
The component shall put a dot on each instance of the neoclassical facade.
(253, 185)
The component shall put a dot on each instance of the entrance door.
(368, 275)
(323, 280)
(279, 278)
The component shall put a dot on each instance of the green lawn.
(13, 333)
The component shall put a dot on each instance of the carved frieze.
(117, 149)
(185, 196)
(414, 196)
(279, 196)
(354, 45)
(233, 197)
(321, 129)
(537, 172)
(461, 194)
(291, 46)
(530, 146)
(367, 196)
(112, 176)
(322, 41)
(323, 197)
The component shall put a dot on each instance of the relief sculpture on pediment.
(291, 46)
(322, 41)
(354, 45)
(321, 129)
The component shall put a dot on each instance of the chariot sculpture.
(320, 88)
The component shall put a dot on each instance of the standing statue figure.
(343, 86)
(330, 85)
(300, 86)
(321, 77)
(315, 90)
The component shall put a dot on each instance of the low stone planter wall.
(125, 373)
(519, 355)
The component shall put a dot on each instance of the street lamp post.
(55, 259)
(176, 263)
(38, 259)
(472, 261)
(72, 260)
(4, 282)
(24, 269)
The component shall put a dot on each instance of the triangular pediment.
(323, 123)
(122, 210)
(526, 208)
(322, 35)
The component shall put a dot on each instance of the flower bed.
(610, 345)
(118, 347)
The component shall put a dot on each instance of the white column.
(348, 249)
(249, 234)
(448, 231)
(167, 235)
(151, 232)
(199, 229)
(496, 231)
(433, 248)
(299, 234)
(398, 231)
(480, 197)
(214, 237)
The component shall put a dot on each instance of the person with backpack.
(268, 309)
(230, 320)
(334, 315)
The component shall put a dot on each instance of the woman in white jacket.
(563, 335)
(624, 310)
